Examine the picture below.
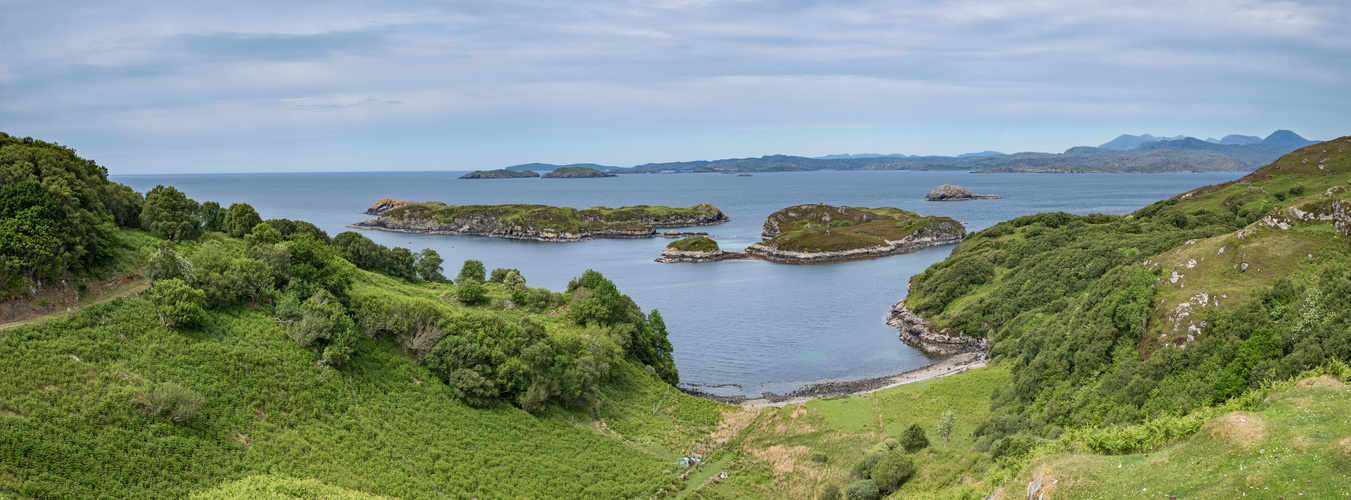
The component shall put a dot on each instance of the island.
(949, 192)
(818, 234)
(577, 173)
(696, 249)
(500, 173)
(536, 222)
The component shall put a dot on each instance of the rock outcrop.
(671, 255)
(386, 204)
(915, 332)
(949, 192)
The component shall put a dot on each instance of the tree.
(428, 266)
(472, 270)
(29, 246)
(166, 264)
(176, 302)
(170, 214)
(501, 273)
(515, 285)
(400, 262)
(945, 425)
(913, 439)
(830, 492)
(240, 219)
(212, 217)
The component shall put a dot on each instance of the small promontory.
(536, 222)
(386, 204)
(696, 249)
(818, 234)
(949, 192)
(500, 173)
(577, 173)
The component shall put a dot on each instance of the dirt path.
(106, 293)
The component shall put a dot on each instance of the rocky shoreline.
(915, 332)
(413, 220)
(945, 366)
(671, 256)
(908, 244)
(949, 192)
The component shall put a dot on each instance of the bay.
(738, 327)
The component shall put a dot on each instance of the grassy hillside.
(75, 423)
(547, 219)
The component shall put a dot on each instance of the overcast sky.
(242, 86)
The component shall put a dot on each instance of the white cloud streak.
(915, 77)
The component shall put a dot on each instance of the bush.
(170, 214)
(176, 302)
(913, 439)
(240, 219)
(863, 468)
(428, 266)
(862, 489)
(892, 470)
(830, 492)
(820, 458)
(471, 292)
(181, 403)
(500, 274)
(166, 264)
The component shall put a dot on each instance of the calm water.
(748, 326)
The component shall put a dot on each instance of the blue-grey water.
(747, 326)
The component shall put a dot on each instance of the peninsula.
(818, 234)
(536, 222)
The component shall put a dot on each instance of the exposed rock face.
(915, 332)
(671, 255)
(386, 204)
(1341, 217)
(949, 192)
(947, 233)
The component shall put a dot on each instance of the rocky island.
(500, 173)
(818, 234)
(576, 173)
(535, 222)
(949, 192)
(696, 249)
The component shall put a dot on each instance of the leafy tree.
(166, 264)
(321, 317)
(501, 273)
(428, 266)
(29, 246)
(123, 203)
(212, 217)
(946, 423)
(400, 263)
(863, 468)
(263, 234)
(913, 439)
(176, 302)
(170, 214)
(472, 270)
(312, 267)
(515, 285)
(359, 250)
(240, 219)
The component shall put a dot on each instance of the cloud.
(156, 75)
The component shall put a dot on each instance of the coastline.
(947, 366)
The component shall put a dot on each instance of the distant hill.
(548, 167)
(1126, 141)
(1256, 155)
(499, 174)
(1237, 140)
(576, 173)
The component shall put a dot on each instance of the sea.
(743, 327)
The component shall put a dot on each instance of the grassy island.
(542, 222)
(695, 244)
(576, 173)
(499, 174)
(825, 233)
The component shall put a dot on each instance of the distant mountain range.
(1127, 153)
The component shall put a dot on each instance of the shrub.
(892, 470)
(471, 292)
(176, 302)
(820, 458)
(500, 274)
(863, 468)
(862, 489)
(166, 264)
(240, 219)
(830, 492)
(428, 266)
(181, 403)
(913, 439)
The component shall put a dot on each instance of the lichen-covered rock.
(949, 192)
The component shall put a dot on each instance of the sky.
(280, 86)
